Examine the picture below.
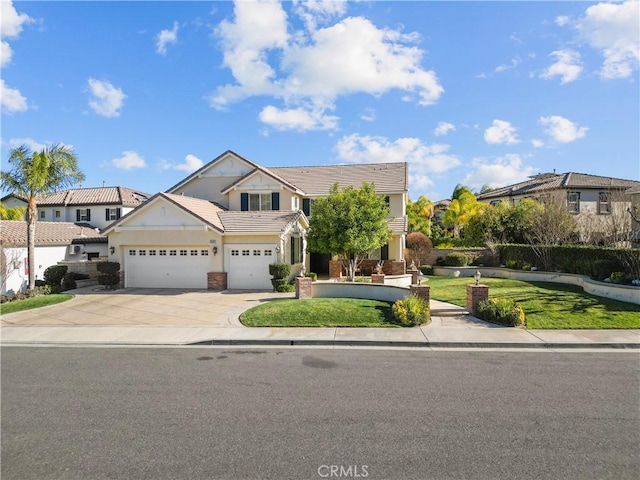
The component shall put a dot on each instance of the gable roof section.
(555, 181)
(267, 172)
(14, 232)
(124, 196)
(271, 221)
(318, 180)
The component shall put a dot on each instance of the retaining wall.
(371, 291)
(624, 293)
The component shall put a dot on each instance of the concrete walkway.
(200, 317)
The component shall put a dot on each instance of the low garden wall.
(371, 291)
(398, 280)
(624, 293)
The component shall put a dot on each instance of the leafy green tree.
(11, 213)
(420, 213)
(462, 208)
(502, 223)
(349, 223)
(37, 173)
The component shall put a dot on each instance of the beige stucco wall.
(397, 204)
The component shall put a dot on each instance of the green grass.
(320, 312)
(546, 305)
(35, 302)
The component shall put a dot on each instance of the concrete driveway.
(141, 306)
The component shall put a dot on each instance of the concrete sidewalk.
(158, 317)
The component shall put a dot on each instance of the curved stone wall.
(371, 291)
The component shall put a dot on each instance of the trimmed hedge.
(54, 274)
(109, 274)
(593, 261)
(457, 259)
(280, 270)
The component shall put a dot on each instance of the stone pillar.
(394, 267)
(415, 277)
(121, 279)
(216, 281)
(420, 291)
(476, 294)
(304, 287)
(377, 278)
(335, 269)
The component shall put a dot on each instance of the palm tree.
(38, 173)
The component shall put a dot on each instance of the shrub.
(40, 283)
(411, 311)
(419, 247)
(109, 274)
(426, 269)
(501, 311)
(618, 277)
(456, 259)
(601, 269)
(54, 274)
(526, 266)
(280, 270)
(312, 276)
(511, 264)
(69, 281)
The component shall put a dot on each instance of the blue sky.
(466, 92)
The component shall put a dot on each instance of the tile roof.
(203, 209)
(266, 171)
(554, 181)
(258, 222)
(124, 196)
(318, 180)
(14, 232)
(398, 225)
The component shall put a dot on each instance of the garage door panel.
(162, 267)
(249, 266)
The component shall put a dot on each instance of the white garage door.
(167, 267)
(249, 266)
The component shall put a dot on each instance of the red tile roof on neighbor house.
(123, 196)
(14, 233)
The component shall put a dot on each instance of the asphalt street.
(269, 413)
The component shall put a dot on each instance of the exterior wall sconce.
(277, 249)
(112, 250)
(215, 250)
(477, 276)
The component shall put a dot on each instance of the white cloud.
(11, 21)
(562, 130)
(444, 128)
(313, 12)
(613, 29)
(316, 66)
(107, 100)
(425, 161)
(129, 160)
(166, 37)
(497, 173)
(501, 132)
(191, 164)
(537, 143)
(567, 66)
(515, 61)
(297, 119)
(369, 115)
(5, 53)
(29, 142)
(562, 20)
(11, 99)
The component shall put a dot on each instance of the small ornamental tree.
(349, 223)
(419, 247)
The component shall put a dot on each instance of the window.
(152, 253)
(163, 253)
(142, 253)
(573, 202)
(245, 253)
(604, 203)
(268, 253)
(112, 214)
(259, 201)
(194, 253)
(132, 252)
(296, 250)
(42, 214)
(183, 253)
(256, 253)
(295, 203)
(235, 253)
(57, 214)
(307, 206)
(83, 215)
(172, 253)
(204, 253)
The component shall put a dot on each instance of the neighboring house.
(55, 242)
(223, 225)
(601, 204)
(98, 207)
(634, 211)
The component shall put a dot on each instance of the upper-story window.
(573, 202)
(257, 202)
(57, 214)
(42, 215)
(83, 215)
(307, 206)
(604, 203)
(112, 214)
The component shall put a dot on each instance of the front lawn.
(34, 302)
(320, 312)
(546, 305)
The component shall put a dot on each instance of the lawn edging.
(368, 291)
(623, 293)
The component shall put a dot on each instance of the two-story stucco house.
(223, 225)
(95, 206)
(601, 204)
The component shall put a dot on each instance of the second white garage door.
(248, 266)
(167, 267)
